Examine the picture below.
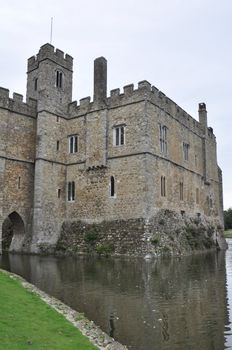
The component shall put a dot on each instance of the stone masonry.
(129, 173)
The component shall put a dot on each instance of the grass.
(228, 233)
(26, 322)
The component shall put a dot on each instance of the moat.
(177, 304)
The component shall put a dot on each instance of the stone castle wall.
(17, 155)
(34, 146)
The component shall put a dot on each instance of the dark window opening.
(181, 191)
(112, 186)
(36, 84)
(71, 191)
(59, 78)
(197, 195)
(57, 145)
(19, 182)
(163, 186)
(58, 192)
(186, 151)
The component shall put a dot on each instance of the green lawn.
(228, 233)
(26, 322)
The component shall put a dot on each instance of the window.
(210, 202)
(112, 186)
(181, 191)
(186, 151)
(19, 182)
(73, 144)
(197, 195)
(58, 192)
(59, 78)
(163, 139)
(119, 135)
(71, 191)
(196, 160)
(36, 84)
(57, 145)
(163, 186)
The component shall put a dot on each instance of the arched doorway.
(13, 232)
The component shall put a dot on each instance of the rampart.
(144, 92)
(16, 103)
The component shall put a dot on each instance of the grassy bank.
(26, 322)
(228, 233)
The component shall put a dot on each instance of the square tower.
(49, 79)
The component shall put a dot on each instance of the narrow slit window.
(57, 145)
(19, 182)
(36, 84)
(181, 191)
(163, 139)
(71, 191)
(197, 195)
(163, 186)
(186, 151)
(58, 192)
(59, 79)
(112, 186)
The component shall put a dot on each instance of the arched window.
(59, 79)
(112, 186)
(163, 139)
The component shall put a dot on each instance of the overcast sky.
(183, 47)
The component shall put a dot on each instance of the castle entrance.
(13, 232)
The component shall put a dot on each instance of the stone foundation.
(168, 233)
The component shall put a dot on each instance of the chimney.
(202, 114)
(100, 79)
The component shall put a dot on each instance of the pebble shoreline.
(88, 328)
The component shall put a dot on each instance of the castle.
(132, 172)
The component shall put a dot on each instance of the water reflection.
(147, 305)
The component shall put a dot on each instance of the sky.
(183, 47)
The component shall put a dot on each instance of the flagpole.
(51, 30)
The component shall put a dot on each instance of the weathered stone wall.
(17, 153)
(167, 233)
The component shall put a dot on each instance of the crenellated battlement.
(16, 103)
(48, 51)
(144, 91)
(149, 92)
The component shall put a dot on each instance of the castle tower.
(50, 83)
(49, 79)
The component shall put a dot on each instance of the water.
(176, 304)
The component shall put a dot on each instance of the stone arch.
(13, 232)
